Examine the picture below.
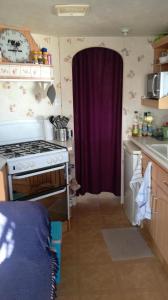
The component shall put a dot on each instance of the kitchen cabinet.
(3, 185)
(159, 47)
(26, 72)
(158, 104)
(157, 226)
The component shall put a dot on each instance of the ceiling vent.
(71, 10)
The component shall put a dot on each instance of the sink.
(160, 149)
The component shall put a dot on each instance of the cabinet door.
(150, 225)
(161, 236)
(154, 220)
(3, 185)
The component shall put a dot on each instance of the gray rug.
(126, 243)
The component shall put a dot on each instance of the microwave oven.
(157, 85)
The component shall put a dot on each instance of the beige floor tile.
(68, 297)
(93, 253)
(104, 296)
(87, 227)
(69, 281)
(162, 276)
(114, 221)
(88, 273)
(138, 274)
(70, 256)
(144, 295)
(90, 220)
(92, 235)
(96, 278)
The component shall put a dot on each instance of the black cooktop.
(27, 148)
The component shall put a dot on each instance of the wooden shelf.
(159, 47)
(158, 104)
(157, 67)
(162, 42)
(26, 72)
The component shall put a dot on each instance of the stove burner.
(16, 154)
(8, 150)
(44, 149)
(28, 148)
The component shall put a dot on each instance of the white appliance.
(37, 169)
(132, 156)
(157, 85)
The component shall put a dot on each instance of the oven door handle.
(37, 173)
(48, 195)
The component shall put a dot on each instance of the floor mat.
(126, 243)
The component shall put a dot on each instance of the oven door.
(49, 186)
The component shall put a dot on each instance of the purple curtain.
(97, 99)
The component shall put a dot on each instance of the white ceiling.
(104, 18)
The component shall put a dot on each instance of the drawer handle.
(165, 183)
(154, 202)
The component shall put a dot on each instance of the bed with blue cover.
(27, 266)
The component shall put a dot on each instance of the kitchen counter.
(68, 144)
(2, 163)
(143, 142)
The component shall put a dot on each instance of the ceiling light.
(71, 10)
(125, 31)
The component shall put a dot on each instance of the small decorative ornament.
(14, 46)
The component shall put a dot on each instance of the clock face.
(14, 46)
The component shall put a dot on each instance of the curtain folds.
(97, 97)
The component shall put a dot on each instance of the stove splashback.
(21, 131)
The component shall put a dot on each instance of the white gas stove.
(37, 168)
(32, 155)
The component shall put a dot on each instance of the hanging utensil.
(64, 121)
(51, 119)
(41, 90)
(51, 93)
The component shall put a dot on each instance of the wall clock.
(14, 46)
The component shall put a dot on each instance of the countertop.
(68, 144)
(143, 142)
(2, 162)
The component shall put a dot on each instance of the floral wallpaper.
(19, 100)
(137, 54)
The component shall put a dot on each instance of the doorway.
(97, 101)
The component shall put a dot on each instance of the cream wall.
(17, 99)
(137, 54)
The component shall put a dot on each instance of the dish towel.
(136, 179)
(143, 208)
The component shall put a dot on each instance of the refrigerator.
(132, 157)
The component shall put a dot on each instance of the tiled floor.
(88, 272)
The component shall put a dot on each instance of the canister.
(61, 135)
(165, 132)
(69, 133)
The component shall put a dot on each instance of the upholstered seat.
(26, 262)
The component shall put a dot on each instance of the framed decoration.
(16, 45)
